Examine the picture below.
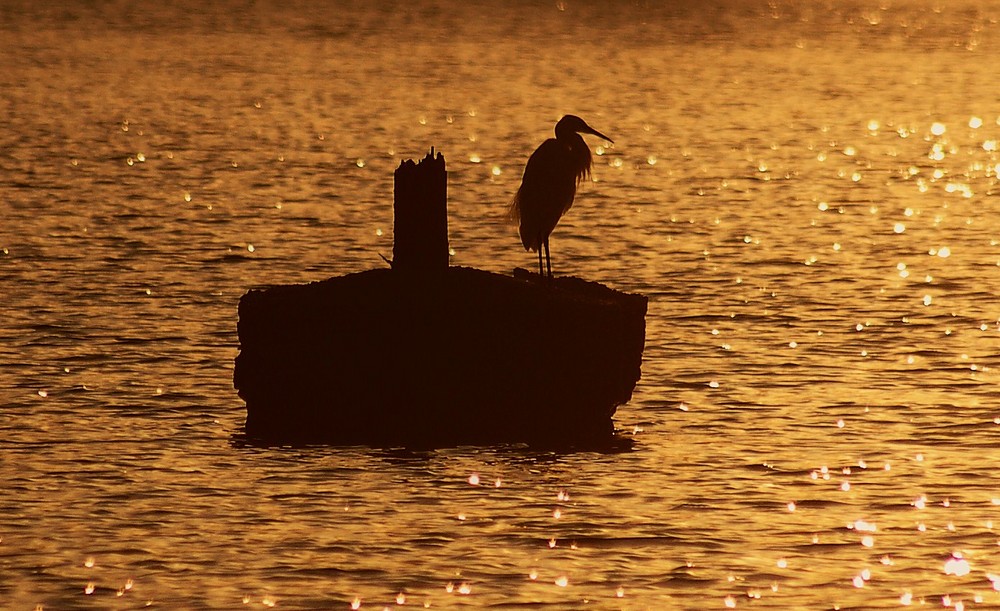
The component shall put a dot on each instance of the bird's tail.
(515, 217)
(514, 209)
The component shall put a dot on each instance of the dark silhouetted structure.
(549, 184)
(422, 356)
(420, 215)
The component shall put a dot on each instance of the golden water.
(806, 191)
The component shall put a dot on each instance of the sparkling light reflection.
(805, 262)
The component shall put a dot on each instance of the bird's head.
(572, 124)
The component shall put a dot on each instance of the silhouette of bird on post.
(549, 184)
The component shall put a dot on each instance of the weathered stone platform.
(446, 357)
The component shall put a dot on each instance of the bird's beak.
(591, 130)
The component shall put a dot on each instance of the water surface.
(805, 191)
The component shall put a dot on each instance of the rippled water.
(806, 192)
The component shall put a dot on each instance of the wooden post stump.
(420, 211)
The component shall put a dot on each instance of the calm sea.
(807, 192)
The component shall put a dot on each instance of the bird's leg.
(548, 261)
(540, 268)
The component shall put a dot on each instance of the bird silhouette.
(549, 184)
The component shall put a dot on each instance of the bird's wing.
(548, 167)
(540, 174)
(549, 180)
(546, 192)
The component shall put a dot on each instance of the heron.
(549, 184)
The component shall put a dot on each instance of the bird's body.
(549, 184)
